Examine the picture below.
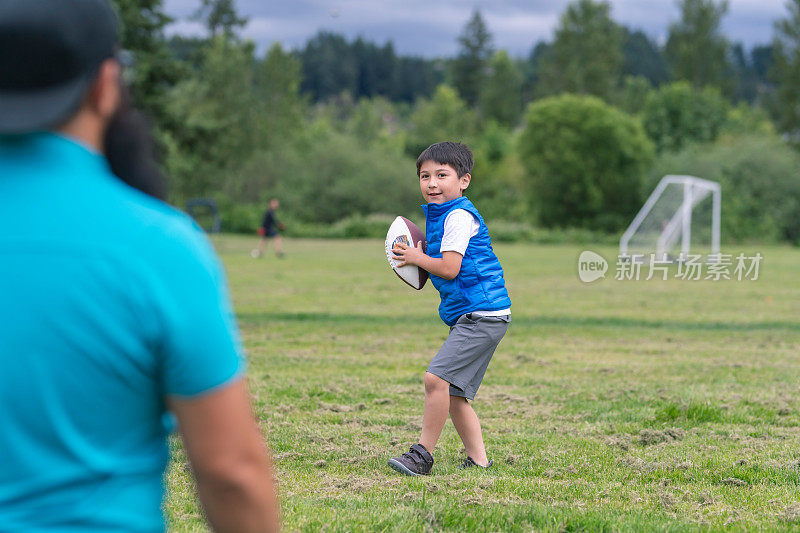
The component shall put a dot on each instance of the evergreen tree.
(586, 55)
(469, 68)
(761, 57)
(531, 72)
(643, 57)
(416, 77)
(501, 96)
(376, 67)
(329, 66)
(215, 127)
(785, 72)
(744, 75)
(696, 49)
(220, 17)
(277, 88)
(155, 70)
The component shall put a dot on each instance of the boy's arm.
(447, 267)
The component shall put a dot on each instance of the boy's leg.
(437, 405)
(261, 244)
(469, 429)
(277, 242)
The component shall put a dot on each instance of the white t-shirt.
(459, 227)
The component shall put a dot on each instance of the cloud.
(430, 28)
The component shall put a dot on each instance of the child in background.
(270, 229)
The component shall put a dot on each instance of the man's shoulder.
(157, 231)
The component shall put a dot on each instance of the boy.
(270, 228)
(475, 304)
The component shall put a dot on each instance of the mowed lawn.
(619, 405)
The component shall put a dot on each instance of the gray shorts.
(464, 356)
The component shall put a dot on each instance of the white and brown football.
(405, 231)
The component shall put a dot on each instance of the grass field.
(620, 405)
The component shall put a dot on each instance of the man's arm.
(229, 460)
(447, 267)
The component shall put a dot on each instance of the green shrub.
(326, 176)
(759, 180)
(497, 187)
(586, 162)
(445, 117)
(678, 114)
(239, 217)
(508, 231)
(375, 227)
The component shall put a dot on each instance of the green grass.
(639, 405)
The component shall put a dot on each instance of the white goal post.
(666, 217)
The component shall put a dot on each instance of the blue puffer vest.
(479, 285)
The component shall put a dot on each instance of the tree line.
(333, 127)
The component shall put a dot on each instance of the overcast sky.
(430, 27)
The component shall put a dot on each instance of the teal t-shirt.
(110, 301)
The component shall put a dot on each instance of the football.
(405, 231)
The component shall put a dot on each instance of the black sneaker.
(416, 461)
(470, 463)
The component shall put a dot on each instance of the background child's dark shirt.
(270, 223)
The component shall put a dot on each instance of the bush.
(760, 186)
(326, 176)
(445, 117)
(678, 114)
(497, 182)
(375, 227)
(372, 226)
(239, 217)
(586, 161)
(506, 231)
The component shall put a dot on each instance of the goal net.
(681, 217)
(206, 213)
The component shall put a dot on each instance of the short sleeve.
(459, 227)
(199, 342)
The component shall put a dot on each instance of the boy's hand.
(407, 255)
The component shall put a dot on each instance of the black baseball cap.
(50, 52)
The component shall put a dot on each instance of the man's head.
(53, 53)
(59, 72)
(444, 171)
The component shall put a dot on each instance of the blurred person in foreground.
(114, 308)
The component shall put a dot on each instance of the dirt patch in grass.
(640, 465)
(791, 514)
(668, 501)
(341, 408)
(620, 440)
(285, 455)
(504, 397)
(648, 437)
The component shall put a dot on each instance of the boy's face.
(440, 183)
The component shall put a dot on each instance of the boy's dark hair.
(457, 155)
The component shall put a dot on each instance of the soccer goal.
(206, 213)
(681, 216)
